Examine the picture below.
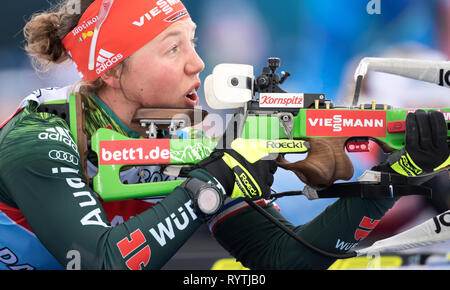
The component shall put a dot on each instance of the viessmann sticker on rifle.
(281, 100)
(139, 151)
(345, 123)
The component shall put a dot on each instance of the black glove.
(239, 177)
(426, 149)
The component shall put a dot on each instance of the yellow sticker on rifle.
(257, 149)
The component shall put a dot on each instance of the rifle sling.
(373, 191)
(390, 185)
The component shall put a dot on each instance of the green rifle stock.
(326, 162)
(275, 122)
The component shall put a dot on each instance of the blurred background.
(319, 42)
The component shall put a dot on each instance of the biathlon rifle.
(268, 120)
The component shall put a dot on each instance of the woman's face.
(165, 72)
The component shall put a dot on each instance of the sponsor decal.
(106, 60)
(344, 246)
(129, 245)
(345, 123)
(283, 144)
(85, 35)
(10, 259)
(84, 25)
(191, 153)
(162, 6)
(441, 221)
(365, 228)
(59, 134)
(405, 163)
(83, 196)
(135, 249)
(176, 16)
(63, 156)
(444, 78)
(164, 231)
(74, 262)
(140, 151)
(282, 100)
(244, 182)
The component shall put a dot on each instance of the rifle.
(268, 120)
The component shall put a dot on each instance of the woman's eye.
(173, 49)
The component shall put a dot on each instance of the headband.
(109, 31)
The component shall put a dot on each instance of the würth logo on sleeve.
(127, 246)
(345, 123)
(106, 60)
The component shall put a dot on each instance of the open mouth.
(191, 98)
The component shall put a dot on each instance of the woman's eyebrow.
(177, 32)
(172, 34)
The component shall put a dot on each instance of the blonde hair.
(45, 31)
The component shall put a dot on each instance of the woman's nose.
(195, 64)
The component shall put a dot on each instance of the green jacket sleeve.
(40, 174)
(260, 244)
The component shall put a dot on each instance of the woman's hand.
(426, 148)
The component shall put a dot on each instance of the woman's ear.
(112, 77)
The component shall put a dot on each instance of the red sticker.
(345, 123)
(396, 126)
(139, 151)
(127, 246)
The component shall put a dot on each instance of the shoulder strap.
(78, 128)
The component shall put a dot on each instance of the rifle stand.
(172, 119)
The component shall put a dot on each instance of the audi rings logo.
(63, 156)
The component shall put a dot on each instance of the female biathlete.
(132, 55)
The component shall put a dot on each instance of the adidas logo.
(106, 60)
(59, 134)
